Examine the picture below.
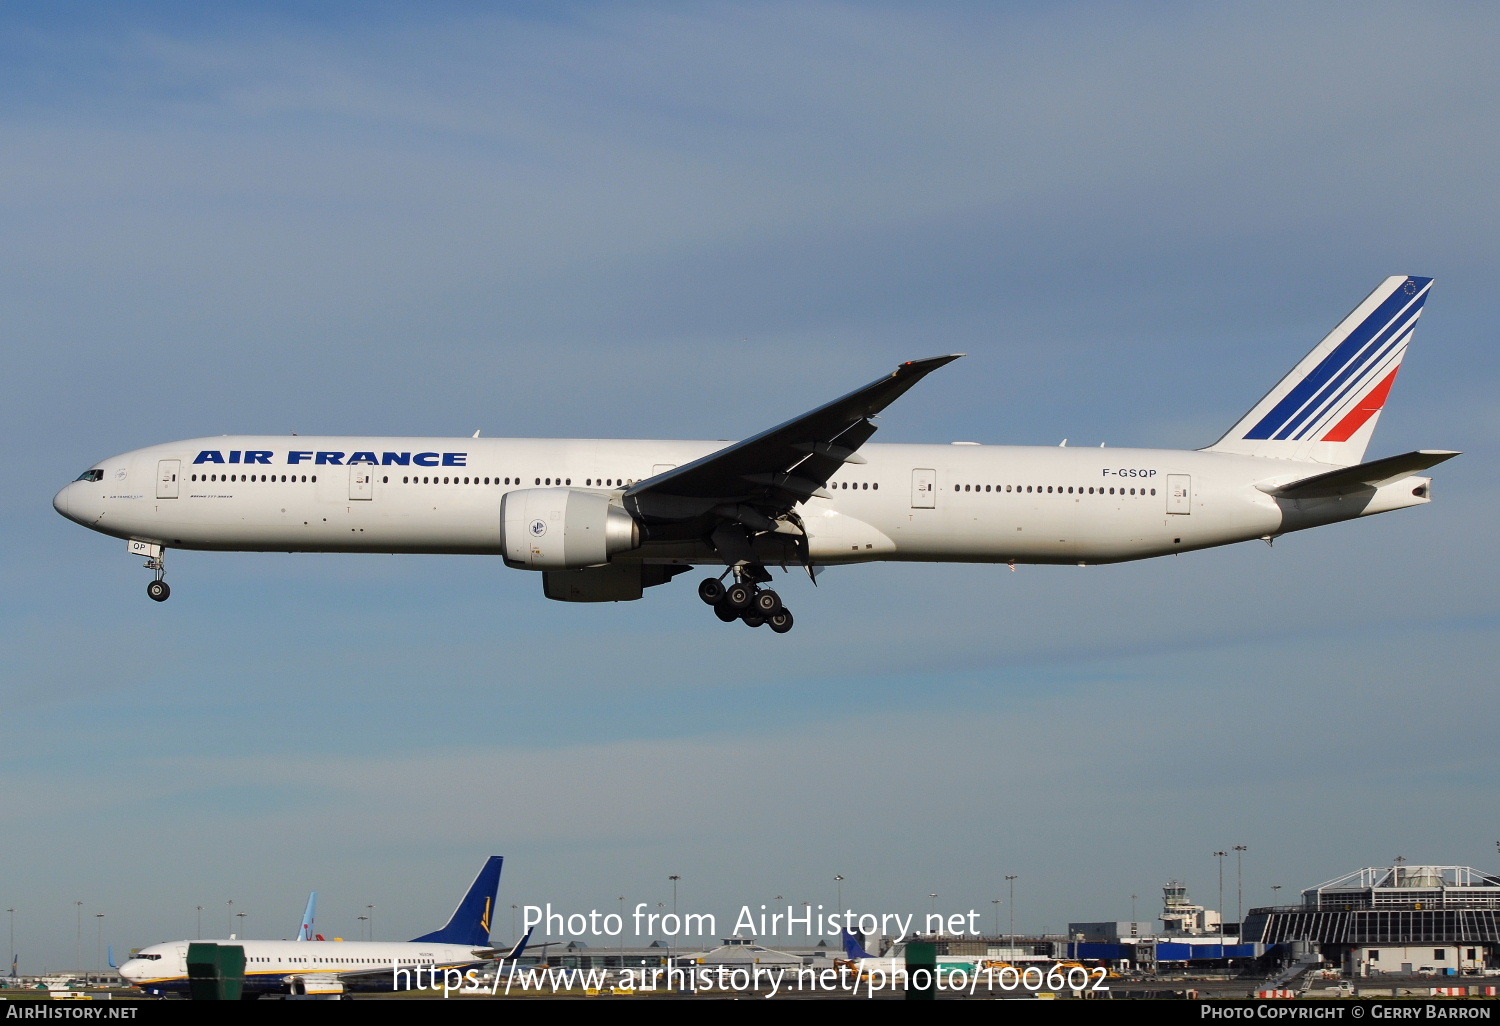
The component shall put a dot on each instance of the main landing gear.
(745, 600)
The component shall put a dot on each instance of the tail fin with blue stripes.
(1325, 410)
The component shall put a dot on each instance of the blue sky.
(697, 220)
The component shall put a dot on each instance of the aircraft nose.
(60, 502)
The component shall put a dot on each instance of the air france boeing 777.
(603, 520)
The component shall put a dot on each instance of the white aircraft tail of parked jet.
(305, 928)
(602, 520)
(309, 966)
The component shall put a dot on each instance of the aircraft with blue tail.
(603, 520)
(308, 965)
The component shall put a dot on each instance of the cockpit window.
(92, 475)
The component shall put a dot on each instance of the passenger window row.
(270, 478)
(1055, 489)
(513, 481)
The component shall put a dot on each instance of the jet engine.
(563, 529)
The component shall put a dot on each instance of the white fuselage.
(944, 503)
(273, 966)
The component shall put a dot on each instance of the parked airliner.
(306, 966)
(603, 520)
(892, 964)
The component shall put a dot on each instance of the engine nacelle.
(563, 529)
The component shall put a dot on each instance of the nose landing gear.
(158, 589)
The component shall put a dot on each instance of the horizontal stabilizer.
(1363, 476)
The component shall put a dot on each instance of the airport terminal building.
(1400, 919)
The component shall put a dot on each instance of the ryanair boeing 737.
(311, 965)
(602, 520)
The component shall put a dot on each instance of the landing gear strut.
(745, 601)
(157, 589)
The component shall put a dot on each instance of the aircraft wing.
(1363, 476)
(773, 471)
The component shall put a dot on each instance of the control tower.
(1180, 916)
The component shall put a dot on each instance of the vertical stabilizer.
(470, 922)
(1326, 408)
(305, 931)
(852, 946)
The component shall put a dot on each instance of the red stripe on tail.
(1369, 406)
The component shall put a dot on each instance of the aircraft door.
(167, 473)
(1179, 493)
(361, 482)
(923, 488)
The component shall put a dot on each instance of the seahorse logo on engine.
(538, 528)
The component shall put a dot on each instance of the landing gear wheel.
(723, 612)
(753, 621)
(711, 591)
(766, 603)
(781, 621)
(158, 591)
(739, 596)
